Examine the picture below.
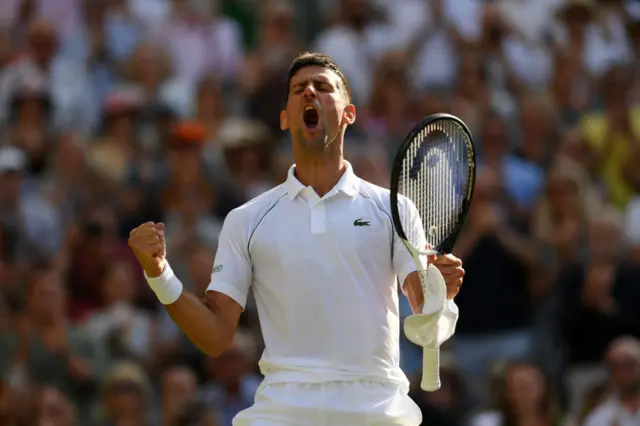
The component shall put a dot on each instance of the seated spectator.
(55, 409)
(592, 399)
(622, 405)
(65, 79)
(232, 382)
(151, 72)
(178, 388)
(46, 349)
(244, 146)
(122, 329)
(125, 395)
(523, 396)
(34, 218)
(197, 413)
(190, 31)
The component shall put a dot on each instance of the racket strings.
(434, 176)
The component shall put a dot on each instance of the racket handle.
(430, 369)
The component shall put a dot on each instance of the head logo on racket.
(433, 159)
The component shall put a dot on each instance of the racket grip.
(430, 369)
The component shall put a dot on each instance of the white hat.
(240, 133)
(12, 159)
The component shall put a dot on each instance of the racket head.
(407, 164)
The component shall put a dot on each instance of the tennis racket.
(435, 169)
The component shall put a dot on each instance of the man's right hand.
(148, 244)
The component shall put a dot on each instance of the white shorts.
(354, 403)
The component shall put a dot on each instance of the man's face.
(47, 297)
(55, 409)
(318, 108)
(624, 368)
(43, 43)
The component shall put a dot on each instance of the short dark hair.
(315, 59)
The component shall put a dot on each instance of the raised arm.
(210, 323)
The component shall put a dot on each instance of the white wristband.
(166, 286)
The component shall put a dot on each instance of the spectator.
(596, 44)
(571, 88)
(32, 217)
(265, 73)
(600, 294)
(355, 42)
(244, 144)
(564, 212)
(151, 73)
(123, 330)
(29, 127)
(623, 359)
(471, 97)
(592, 399)
(191, 29)
(611, 134)
(125, 396)
(512, 62)
(46, 350)
(64, 78)
(211, 112)
(196, 413)
(522, 396)
(522, 180)
(55, 409)
(233, 383)
(178, 389)
(498, 257)
(389, 116)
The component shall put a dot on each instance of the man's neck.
(321, 173)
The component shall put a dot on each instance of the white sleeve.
(232, 272)
(403, 263)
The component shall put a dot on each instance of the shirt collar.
(348, 183)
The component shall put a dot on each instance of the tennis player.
(322, 258)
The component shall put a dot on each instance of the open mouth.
(311, 117)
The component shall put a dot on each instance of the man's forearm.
(202, 326)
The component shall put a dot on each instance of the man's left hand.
(451, 269)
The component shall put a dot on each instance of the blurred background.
(117, 112)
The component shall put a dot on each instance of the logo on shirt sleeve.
(217, 268)
(360, 222)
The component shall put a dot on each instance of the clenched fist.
(148, 244)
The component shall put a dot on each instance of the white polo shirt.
(611, 412)
(323, 272)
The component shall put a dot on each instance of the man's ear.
(284, 120)
(349, 114)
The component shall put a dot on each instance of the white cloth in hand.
(437, 322)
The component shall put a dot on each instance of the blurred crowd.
(117, 112)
